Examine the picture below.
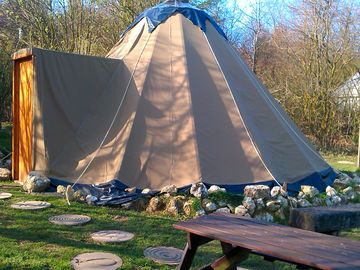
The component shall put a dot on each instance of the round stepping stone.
(96, 261)
(69, 219)
(5, 195)
(164, 255)
(112, 236)
(31, 205)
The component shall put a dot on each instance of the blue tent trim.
(113, 192)
(160, 13)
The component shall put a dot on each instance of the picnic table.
(240, 236)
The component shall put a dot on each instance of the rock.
(257, 191)
(351, 196)
(222, 203)
(344, 177)
(210, 207)
(259, 204)
(171, 189)
(188, 208)
(78, 196)
(272, 206)
(301, 195)
(155, 204)
(174, 206)
(204, 202)
(280, 214)
(336, 200)
(223, 210)
(304, 203)
(249, 205)
(283, 202)
(166, 195)
(200, 212)
(5, 174)
(199, 190)
(146, 191)
(275, 191)
(36, 182)
(347, 191)
(69, 194)
(341, 184)
(91, 200)
(130, 190)
(309, 191)
(8, 164)
(328, 201)
(317, 201)
(136, 205)
(215, 188)
(60, 189)
(330, 191)
(240, 210)
(344, 199)
(292, 202)
(357, 188)
(231, 207)
(264, 216)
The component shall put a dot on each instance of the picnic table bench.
(329, 220)
(240, 236)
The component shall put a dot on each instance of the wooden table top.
(281, 242)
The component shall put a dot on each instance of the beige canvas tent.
(172, 103)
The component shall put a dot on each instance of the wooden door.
(22, 117)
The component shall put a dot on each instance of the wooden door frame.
(19, 57)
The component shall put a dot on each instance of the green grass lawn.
(343, 163)
(29, 241)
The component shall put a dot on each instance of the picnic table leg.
(194, 241)
(229, 260)
(226, 247)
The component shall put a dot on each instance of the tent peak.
(161, 12)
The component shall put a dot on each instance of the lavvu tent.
(172, 103)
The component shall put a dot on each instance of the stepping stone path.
(69, 219)
(112, 236)
(96, 261)
(31, 205)
(5, 195)
(164, 255)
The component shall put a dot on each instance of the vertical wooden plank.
(22, 117)
(25, 117)
(15, 118)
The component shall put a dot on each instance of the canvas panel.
(162, 147)
(284, 149)
(75, 98)
(225, 151)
